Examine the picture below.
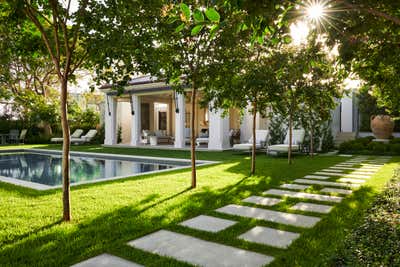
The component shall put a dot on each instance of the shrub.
(377, 241)
(367, 146)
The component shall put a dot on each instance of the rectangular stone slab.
(336, 190)
(305, 181)
(329, 173)
(285, 193)
(270, 215)
(351, 180)
(331, 170)
(295, 186)
(106, 260)
(208, 223)
(359, 169)
(359, 176)
(317, 177)
(270, 237)
(265, 201)
(197, 251)
(303, 206)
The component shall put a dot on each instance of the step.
(295, 186)
(303, 206)
(208, 223)
(106, 260)
(320, 177)
(315, 182)
(336, 190)
(197, 251)
(351, 180)
(264, 201)
(318, 197)
(270, 215)
(270, 237)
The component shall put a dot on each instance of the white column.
(136, 120)
(347, 114)
(218, 130)
(110, 121)
(180, 121)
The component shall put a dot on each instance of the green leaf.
(180, 27)
(171, 20)
(197, 29)
(185, 10)
(287, 39)
(198, 16)
(213, 30)
(212, 15)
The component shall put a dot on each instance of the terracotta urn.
(382, 126)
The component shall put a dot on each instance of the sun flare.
(315, 11)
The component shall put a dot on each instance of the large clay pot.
(382, 126)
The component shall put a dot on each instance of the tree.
(244, 66)
(309, 85)
(368, 35)
(61, 29)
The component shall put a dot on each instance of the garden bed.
(367, 146)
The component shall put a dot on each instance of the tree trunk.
(193, 134)
(312, 142)
(290, 138)
(253, 148)
(65, 151)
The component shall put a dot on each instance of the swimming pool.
(41, 169)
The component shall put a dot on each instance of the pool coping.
(42, 187)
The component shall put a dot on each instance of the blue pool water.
(45, 168)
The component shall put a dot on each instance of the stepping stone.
(317, 177)
(270, 237)
(197, 251)
(331, 170)
(270, 215)
(295, 186)
(265, 201)
(359, 176)
(305, 181)
(329, 173)
(106, 260)
(303, 206)
(285, 193)
(351, 168)
(208, 223)
(352, 181)
(345, 155)
(336, 190)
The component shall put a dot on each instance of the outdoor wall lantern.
(176, 102)
(108, 105)
(132, 108)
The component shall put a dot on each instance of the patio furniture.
(3, 139)
(261, 141)
(85, 138)
(297, 140)
(21, 138)
(13, 136)
(203, 137)
(234, 136)
(153, 140)
(76, 134)
(162, 137)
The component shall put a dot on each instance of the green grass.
(107, 215)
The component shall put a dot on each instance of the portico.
(150, 114)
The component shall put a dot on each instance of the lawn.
(109, 214)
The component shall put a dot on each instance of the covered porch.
(149, 114)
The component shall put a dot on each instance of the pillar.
(180, 121)
(110, 121)
(218, 130)
(136, 120)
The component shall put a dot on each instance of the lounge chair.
(85, 138)
(297, 140)
(22, 136)
(261, 142)
(203, 138)
(76, 134)
(13, 136)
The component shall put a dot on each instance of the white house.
(150, 113)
